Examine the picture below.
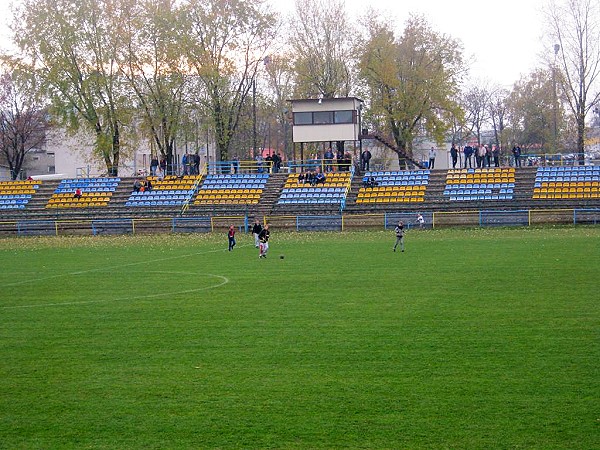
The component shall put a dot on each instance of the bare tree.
(224, 44)
(498, 115)
(574, 26)
(323, 50)
(475, 102)
(23, 121)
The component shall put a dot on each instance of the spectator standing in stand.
(517, 154)
(328, 157)
(496, 155)
(468, 151)
(454, 155)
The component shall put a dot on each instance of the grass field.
(470, 339)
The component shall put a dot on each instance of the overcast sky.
(503, 38)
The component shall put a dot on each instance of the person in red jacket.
(231, 237)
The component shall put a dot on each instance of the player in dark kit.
(263, 238)
(399, 230)
(256, 229)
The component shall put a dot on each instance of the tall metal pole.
(555, 99)
(254, 118)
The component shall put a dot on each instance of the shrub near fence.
(205, 224)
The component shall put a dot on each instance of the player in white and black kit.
(399, 230)
(263, 241)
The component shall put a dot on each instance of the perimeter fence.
(207, 224)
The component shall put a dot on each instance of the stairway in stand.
(270, 194)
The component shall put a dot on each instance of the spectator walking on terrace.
(263, 238)
(432, 158)
(153, 165)
(365, 157)
(399, 231)
(231, 237)
(256, 229)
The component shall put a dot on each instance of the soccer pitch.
(469, 339)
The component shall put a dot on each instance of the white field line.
(111, 268)
(224, 280)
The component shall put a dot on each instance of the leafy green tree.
(531, 111)
(412, 81)
(72, 50)
(223, 45)
(149, 60)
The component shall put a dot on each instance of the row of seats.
(174, 182)
(481, 170)
(398, 199)
(160, 192)
(226, 200)
(95, 192)
(322, 200)
(332, 191)
(237, 176)
(564, 169)
(419, 172)
(315, 189)
(567, 174)
(87, 185)
(231, 189)
(492, 183)
(16, 194)
(566, 190)
(568, 184)
(565, 195)
(461, 191)
(480, 185)
(407, 186)
(387, 194)
(87, 199)
(13, 203)
(477, 197)
(171, 190)
(336, 179)
(232, 186)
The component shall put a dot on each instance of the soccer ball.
(281, 256)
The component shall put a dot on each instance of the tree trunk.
(581, 139)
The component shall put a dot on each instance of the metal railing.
(341, 222)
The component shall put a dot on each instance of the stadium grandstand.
(569, 194)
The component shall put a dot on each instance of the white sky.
(503, 38)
